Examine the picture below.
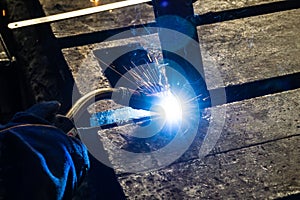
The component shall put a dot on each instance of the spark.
(147, 78)
(194, 98)
(113, 68)
(95, 2)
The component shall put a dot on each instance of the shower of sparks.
(178, 103)
(148, 78)
(151, 80)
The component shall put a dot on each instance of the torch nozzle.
(135, 99)
(163, 103)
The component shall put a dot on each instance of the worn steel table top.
(257, 154)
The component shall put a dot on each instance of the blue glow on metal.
(168, 111)
(120, 116)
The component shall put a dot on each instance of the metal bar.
(249, 11)
(99, 36)
(76, 13)
(257, 88)
(174, 16)
(7, 53)
(5, 35)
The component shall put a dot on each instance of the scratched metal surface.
(257, 154)
(241, 51)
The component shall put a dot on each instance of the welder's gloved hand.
(44, 113)
(37, 159)
(45, 110)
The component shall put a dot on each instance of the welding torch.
(123, 96)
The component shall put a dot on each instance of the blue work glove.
(37, 159)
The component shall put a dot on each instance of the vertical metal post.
(10, 99)
(5, 33)
(173, 16)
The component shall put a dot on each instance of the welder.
(37, 159)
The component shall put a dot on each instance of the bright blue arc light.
(171, 108)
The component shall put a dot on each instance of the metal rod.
(76, 13)
(7, 53)
(174, 16)
(5, 34)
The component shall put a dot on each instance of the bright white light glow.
(171, 106)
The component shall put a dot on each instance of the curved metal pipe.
(82, 104)
(123, 96)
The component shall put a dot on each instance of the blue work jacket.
(38, 160)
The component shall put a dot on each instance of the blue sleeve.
(38, 161)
